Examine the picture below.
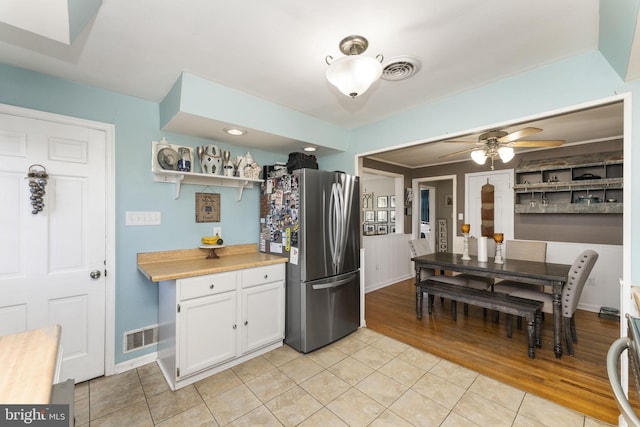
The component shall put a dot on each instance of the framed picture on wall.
(382, 202)
(382, 229)
(367, 200)
(392, 216)
(369, 229)
(381, 216)
(369, 216)
(392, 201)
(448, 200)
(392, 229)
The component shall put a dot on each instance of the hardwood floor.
(578, 382)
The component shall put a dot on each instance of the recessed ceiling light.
(235, 131)
(309, 148)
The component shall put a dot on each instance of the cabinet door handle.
(266, 276)
(211, 286)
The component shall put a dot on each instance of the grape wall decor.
(37, 181)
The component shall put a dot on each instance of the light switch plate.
(143, 218)
(460, 217)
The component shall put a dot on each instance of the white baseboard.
(386, 283)
(136, 363)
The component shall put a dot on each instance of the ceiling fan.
(499, 143)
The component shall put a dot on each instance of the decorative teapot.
(210, 158)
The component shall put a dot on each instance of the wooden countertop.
(28, 361)
(171, 265)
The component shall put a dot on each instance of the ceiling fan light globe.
(479, 156)
(506, 153)
(354, 74)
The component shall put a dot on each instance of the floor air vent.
(139, 338)
(400, 68)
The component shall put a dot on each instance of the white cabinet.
(263, 315)
(212, 322)
(207, 334)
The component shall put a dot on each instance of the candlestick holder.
(498, 237)
(498, 259)
(465, 247)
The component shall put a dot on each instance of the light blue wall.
(136, 125)
(575, 80)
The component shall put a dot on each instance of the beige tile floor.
(365, 379)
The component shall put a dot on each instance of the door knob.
(95, 274)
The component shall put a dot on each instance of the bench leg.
(538, 329)
(465, 309)
(454, 310)
(484, 313)
(531, 331)
(519, 322)
(419, 297)
(509, 329)
(430, 303)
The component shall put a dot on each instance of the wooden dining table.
(530, 272)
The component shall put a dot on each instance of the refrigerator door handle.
(332, 284)
(336, 225)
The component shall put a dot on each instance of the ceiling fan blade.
(545, 143)
(519, 134)
(467, 150)
(464, 142)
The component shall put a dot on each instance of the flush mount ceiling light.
(235, 131)
(309, 149)
(353, 74)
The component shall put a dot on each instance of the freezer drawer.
(330, 310)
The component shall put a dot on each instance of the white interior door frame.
(110, 217)
(415, 184)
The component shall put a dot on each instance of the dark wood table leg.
(509, 328)
(538, 329)
(531, 332)
(557, 319)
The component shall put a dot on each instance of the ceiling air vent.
(400, 68)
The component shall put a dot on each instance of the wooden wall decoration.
(486, 211)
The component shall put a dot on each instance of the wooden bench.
(530, 309)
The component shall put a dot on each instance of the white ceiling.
(276, 49)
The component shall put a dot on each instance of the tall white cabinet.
(212, 322)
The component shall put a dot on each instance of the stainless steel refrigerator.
(312, 217)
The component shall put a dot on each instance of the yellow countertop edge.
(29, 363)
(181, 264)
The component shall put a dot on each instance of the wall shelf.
(590, 183)
(179, 178)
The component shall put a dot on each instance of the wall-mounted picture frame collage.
(378, 214)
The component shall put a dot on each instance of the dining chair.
(523, 250)
(571, 291)
(421, 247)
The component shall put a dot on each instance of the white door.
(47, 260)
(502, 180)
